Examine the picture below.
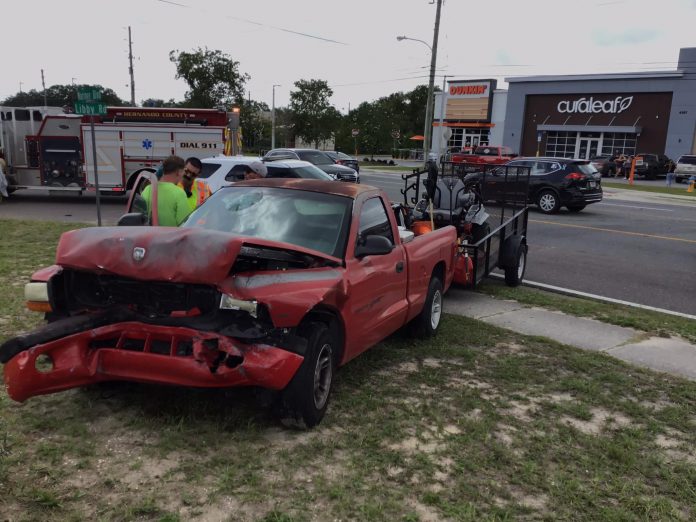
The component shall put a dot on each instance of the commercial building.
(574, 115)
(586, 115)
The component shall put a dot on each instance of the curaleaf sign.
(592, 106)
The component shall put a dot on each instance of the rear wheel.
(515, 273)
(304, 400)
(426, 323)
(548, 202)
(576, 208)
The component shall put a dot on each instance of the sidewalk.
(670, 355)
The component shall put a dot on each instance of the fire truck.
(53, 150)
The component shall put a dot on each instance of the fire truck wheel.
(515, 273)
(304, 400)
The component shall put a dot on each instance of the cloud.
(605, 38)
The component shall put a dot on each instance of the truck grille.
(88, 290)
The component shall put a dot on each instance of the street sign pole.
(96, 173)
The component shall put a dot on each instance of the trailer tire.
(425, 324)
(515, 273)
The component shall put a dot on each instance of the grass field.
(476, 424)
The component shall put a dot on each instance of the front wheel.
(548, 202)
(425, 324)
(515, 273)
(304, 400)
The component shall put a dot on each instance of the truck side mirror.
(373, 246)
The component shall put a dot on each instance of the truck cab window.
(21, 115)
(374, 220)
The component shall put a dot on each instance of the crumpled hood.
(185, 255)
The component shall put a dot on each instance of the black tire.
(515, 274)
(576, 208)
(548, 201)
(651, 174)
(425, 324)
(304, 400)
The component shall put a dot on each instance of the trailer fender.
(508, 253)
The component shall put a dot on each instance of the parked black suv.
(651, 165)
(553, 183)
(317, 157)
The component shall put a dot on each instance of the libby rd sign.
(592, 106)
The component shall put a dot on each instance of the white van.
(686, 167)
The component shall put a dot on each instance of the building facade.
(588, 115)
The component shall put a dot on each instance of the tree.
(213, 77)
(157, 102)
(255, 122)
(59, 96)
(314, 118)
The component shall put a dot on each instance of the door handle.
(399, 267)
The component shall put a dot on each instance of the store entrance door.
(588, 148)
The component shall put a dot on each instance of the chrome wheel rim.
(436, 310)
(322, 376)
(547, 202)
(520, 265)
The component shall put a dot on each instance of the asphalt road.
(623, 247)
(637, 251)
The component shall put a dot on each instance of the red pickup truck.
(486, 155)
(271, 283)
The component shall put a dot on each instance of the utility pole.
(273, 118)
(43, 83)
(431, 87)
(442, 116)
(20, 87)
(130, 67)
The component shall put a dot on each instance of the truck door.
(378, 283)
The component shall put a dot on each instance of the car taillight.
(575, 176)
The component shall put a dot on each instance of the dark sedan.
(317, 157)
(553, 183)
(344, 159)
(605, 164)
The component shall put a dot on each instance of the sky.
(350, 44)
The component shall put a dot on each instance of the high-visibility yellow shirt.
(172, 206)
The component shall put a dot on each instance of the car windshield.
(688, 160)
(307, 172)
(316, 157)
(303, 218)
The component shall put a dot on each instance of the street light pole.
(273, 118)
(431, 83)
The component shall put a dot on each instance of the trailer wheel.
(548, 201)
(425, 324)
(515, 273)
(304, 400)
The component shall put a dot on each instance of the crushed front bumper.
(134, 351)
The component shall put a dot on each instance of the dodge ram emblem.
(138, 253)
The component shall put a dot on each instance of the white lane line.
(636, 206)
(578, 293)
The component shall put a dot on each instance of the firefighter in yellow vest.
(197, 191)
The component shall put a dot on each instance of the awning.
(417, 137)
(471, 125)
(591, 128)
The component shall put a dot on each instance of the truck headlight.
(36, 296)
(227, 302)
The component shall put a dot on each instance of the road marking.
(667, 238)
(636, 206)
(578, 293)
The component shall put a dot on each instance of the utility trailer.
(487, 238)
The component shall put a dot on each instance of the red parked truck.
(485, 155)
(271, 283)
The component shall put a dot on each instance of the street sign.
(539, 137)
(396, 134)
(90, 108)
(355, 132)
(88, 94)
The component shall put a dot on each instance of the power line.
(259, 24)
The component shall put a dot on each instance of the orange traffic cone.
(691, 186)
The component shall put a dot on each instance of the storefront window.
(619, 142)
(561, 144)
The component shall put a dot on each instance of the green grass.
(676, 190)
(476, 424)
